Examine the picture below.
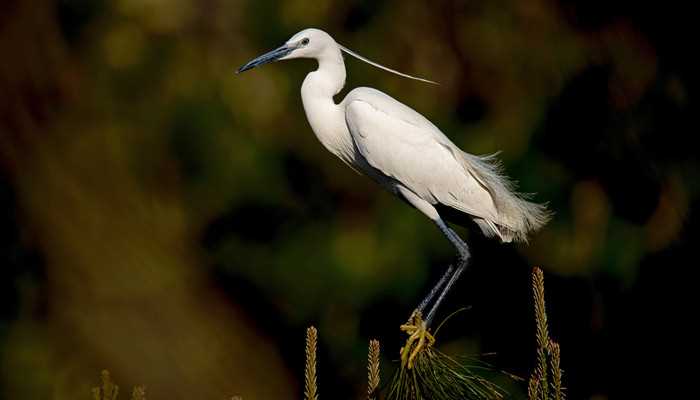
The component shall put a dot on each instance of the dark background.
(181, 226)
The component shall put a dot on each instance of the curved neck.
(329, 79)
(326, 118)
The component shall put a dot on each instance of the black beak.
(268, 57)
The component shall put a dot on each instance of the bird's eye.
(304, 41)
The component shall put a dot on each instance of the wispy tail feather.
(517, 216)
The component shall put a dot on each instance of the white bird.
(406, 154)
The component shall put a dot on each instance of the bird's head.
(309, 43)
(314, 43)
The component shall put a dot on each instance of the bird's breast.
(327, 121)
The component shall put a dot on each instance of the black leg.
(459, 244)
(431, 314)
(435, 289)
(463, 251)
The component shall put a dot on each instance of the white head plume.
(368, 61)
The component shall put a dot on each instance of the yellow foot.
(418, 339)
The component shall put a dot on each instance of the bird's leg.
(419, 337)
(459, 244)
(416, 327)
(423, 304)
(460, 268)
(463, 251)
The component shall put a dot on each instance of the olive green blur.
(180, 226)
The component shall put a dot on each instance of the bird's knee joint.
(464, 255)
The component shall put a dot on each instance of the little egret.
(406, 154)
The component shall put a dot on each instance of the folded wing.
(409, 149)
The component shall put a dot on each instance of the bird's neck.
(329, 79)
(325, 117)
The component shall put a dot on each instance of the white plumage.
(415, 155)
(404, 152)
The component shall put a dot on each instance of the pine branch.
(555, 370)
(436, 375)
(546, 380)
(542, 334)
(533, 388)
(310, 389)
(373, 369)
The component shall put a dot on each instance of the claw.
(417, 330)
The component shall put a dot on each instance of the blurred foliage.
(182, 225)
(108, 390)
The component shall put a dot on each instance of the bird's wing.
(406, 147)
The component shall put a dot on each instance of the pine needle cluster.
(436, 375)
(546, 380)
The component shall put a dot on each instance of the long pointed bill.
(269, 57)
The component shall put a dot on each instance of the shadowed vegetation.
(108, 390)
(435, 375)
(545, 381)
